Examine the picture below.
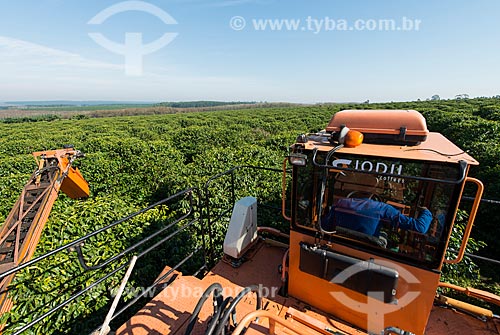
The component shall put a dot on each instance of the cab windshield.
(396, 207)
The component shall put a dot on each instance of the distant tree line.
(33, 118)
(190, 104)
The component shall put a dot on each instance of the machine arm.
(20, 233)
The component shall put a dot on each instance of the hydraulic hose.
(217, 289)
(215, 320)
(231, 309)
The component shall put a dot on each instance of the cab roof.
(436, 148)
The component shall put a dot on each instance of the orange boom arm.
(20, 233)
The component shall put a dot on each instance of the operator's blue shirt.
(366, 216)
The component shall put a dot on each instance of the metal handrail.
(133, 247)
(86, 237)
(485, 201)
(152, 286)
(203, 219)
(76, 243)
(217, 176)
(482, 258)
(206, 189)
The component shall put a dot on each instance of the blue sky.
(46, 52)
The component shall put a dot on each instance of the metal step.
(7, 253)
(29, 217)
(10, 238)
(7, 260)
(4, 250)
(42, 186)
(30, 198)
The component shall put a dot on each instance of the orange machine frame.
(25, 222)
(414, 297)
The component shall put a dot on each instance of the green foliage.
(34, 118)
(130, 163)
(490, 112)
(53, 280)
(134, 161)
(466, 273)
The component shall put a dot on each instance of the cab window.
(397, 206)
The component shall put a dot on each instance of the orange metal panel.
(436, 148)
(415, 293)
(380, 121)
(74, 185)
(168, 311)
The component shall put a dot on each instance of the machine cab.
(370, 223)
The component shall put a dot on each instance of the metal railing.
(141, 248)
(214, 214)
(201, 214)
